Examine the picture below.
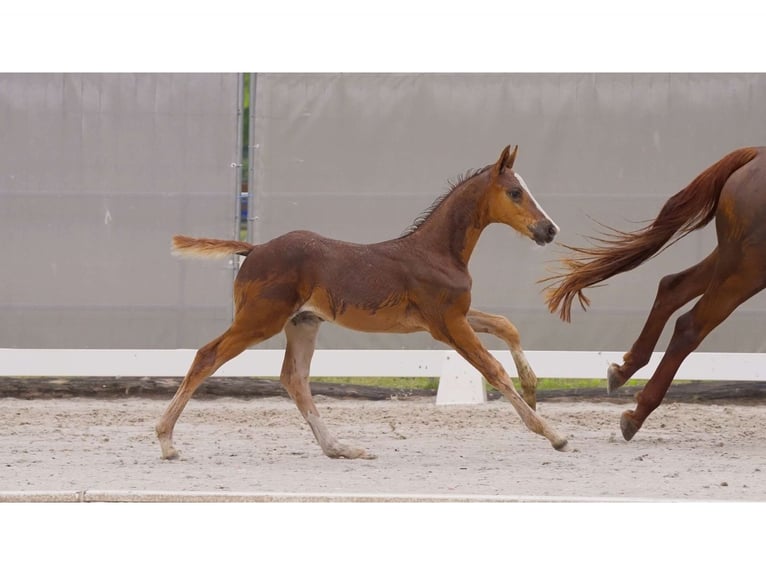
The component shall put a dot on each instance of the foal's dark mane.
(453, 185)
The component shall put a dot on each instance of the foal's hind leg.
(722, 297)
(673, 292)
(301, 332)
(502, 328)
(252, 324)
(207, 360)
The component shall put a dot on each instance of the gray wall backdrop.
(97, 172)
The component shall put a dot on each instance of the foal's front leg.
(461, 336)
(301, 332)
(502, 328)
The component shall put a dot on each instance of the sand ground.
(684, 452)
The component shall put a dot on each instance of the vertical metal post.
(251, 148)
(237, 166)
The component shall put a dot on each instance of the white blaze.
(526, 188)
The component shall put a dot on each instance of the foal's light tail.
(209, 248)
(617, 251)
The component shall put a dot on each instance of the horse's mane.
(453, 185)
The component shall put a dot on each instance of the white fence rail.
(458, 381)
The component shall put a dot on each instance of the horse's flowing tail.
(209, 248)
(617, 251)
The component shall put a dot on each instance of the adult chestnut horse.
(418, 282)
(733, 191)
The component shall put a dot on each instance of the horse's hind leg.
(207, 360)
(301, 332)
(673, 292)
(502, 328)
(247, 329)
(722, 297)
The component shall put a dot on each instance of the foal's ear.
(507, 157)
(512, 157)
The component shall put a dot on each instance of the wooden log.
(164, 388)
(116, 387)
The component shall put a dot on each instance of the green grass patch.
(559, 384)
(432, 383)
(386, 382)
(563, 384)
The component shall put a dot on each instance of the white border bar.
(217, 496)
(357, 363)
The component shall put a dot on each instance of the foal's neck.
(455, 225)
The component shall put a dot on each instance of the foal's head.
(509, 201)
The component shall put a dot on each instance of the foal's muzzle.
(544, 231)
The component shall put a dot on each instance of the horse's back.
(281, 252)
(367, 287)
(301, 252)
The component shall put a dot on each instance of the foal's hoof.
(614, 380)
(628, 426)
(166, 446)
(561, 445)
(170, 454)
(343, 451)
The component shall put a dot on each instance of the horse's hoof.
(561, 445)
(351, 452)
(628, 426)
(358, 453)
(354, 452)
(170, 454)
(613, 378)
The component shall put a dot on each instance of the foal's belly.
(400, 317)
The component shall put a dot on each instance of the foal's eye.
(515, 193)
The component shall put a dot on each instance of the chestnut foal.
(417, 282)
